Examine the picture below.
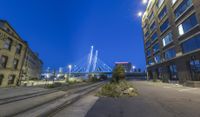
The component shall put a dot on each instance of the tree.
(118, 74)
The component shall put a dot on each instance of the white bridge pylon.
(91, 64)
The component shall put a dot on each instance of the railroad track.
(51, 108)
(30, 105)
(36, 94)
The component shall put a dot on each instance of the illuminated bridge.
(90, 64)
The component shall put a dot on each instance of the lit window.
(167, 39)
(187, 24)
(174, 1)
(180, 29)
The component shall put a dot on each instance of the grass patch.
(121, 89)
(54, 85)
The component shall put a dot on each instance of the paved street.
(16, 91)
(155, 100)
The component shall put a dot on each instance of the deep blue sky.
(62, 31)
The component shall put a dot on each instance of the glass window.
(164, 26)
(174, 1)
(191, 44)
(153, 26)
(148, 43)
(150, 62)
(167, 39)
(11, 79)
(154, 36)
(173, 72)
(157, 58)
(162, 13)
(146, 34)
(148, 53)
(156, 48)
(182, 7)
(195, 69)
(169, 54)
(159, 3)
(15, 63)
(151, 16)
(7, 43)
(3, 61)
(1, 79)
(187, 24)
(195, 65)
(18, 48)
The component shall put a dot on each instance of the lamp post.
(144, 2)
(69, 72)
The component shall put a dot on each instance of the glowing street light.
(144, 1)
(140, 14)
(69, 72)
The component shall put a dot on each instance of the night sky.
(62, 31)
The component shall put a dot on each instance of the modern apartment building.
(12, 53)
(172, 40)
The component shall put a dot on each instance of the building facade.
(32, 67)
(172, 40)
(126, 65)
(12, 53)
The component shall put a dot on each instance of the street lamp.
(133, 68)
(140, 14)
(144, 1)
(69, 71)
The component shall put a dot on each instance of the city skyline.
(68, 32)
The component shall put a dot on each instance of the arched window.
(1, 79)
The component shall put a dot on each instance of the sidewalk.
(154, 100)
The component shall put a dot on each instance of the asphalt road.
(154, 100)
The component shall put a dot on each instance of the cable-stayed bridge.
(90, 64)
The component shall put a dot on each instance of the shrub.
(54, 85)
(118, 74)
(121, 89)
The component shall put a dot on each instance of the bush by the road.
(118, 74)
(120, 89)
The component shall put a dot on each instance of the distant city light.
(133, 67)
(140, 14)
(70, 66)
(144, 1)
